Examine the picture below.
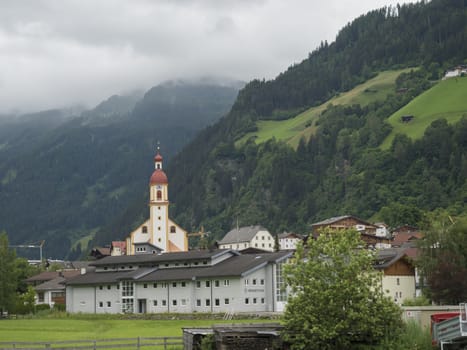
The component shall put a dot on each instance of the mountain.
(63, 179)
(338, 165)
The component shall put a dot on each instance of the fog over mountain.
(80, 52)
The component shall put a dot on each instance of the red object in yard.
(437, 318)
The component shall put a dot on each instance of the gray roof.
(57, 283)
(242, 234)
(237, 265)
(290, 235)
(387, 257)
(160, 258)
(338, 218)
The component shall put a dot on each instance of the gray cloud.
(57, 53)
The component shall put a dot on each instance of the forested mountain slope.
(340, 170)
(61, 181)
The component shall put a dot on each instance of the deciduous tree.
(336, 297)
(8, 280)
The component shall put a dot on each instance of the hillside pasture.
(304, 124)
(447, 99)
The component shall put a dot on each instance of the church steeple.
(158, 160)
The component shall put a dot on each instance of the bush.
(42, 307)
(59, 307)
(208, 342)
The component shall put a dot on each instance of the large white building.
(248, 237)
(159, 233)
(194, 281)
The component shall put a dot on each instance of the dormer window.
(172, 229)
(145, 229)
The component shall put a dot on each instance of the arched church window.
(145, 229)
(159, 195)
(172, 229)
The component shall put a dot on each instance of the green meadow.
(95, 328)
(303, 125)
(447, 99)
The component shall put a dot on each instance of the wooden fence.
(166, 343)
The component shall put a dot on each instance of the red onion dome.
(158, 157)
(158, 177)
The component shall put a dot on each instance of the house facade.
(49, 286)
(289, 240)
(399, 275)
(248, 237)
(194, 281)
(345, 222)
(159, 232)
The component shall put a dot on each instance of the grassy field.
(304, 124)
(447, 99)
(105, 327)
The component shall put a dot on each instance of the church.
(159, 234)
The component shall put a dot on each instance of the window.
(246, 282)
(154, 285)
(247, 300)
(164, 302)
(40, 297)
(101, 287)
(281, 292)
(127, 305)
(254, 300)
(109, 304)
(208, 284)
(217, 302)
(198, 284)
(262, 281)
(226, 301)
(127, 289)
(398, 282)
(262, 300)
(226, 283)
(208, 302)
(154, 302)
(216, 283)
(145, 229)
(183, 284)
(159, 195)
(101, 304)
(109, 287)
(145, 285)
(174, 284)
(198, 302)
(174, 302)
(173, 229)
(254, 281)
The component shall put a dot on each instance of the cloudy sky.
(57, 53)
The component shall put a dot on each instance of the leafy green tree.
(336, 297)
(443, 260)
(8, 280)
